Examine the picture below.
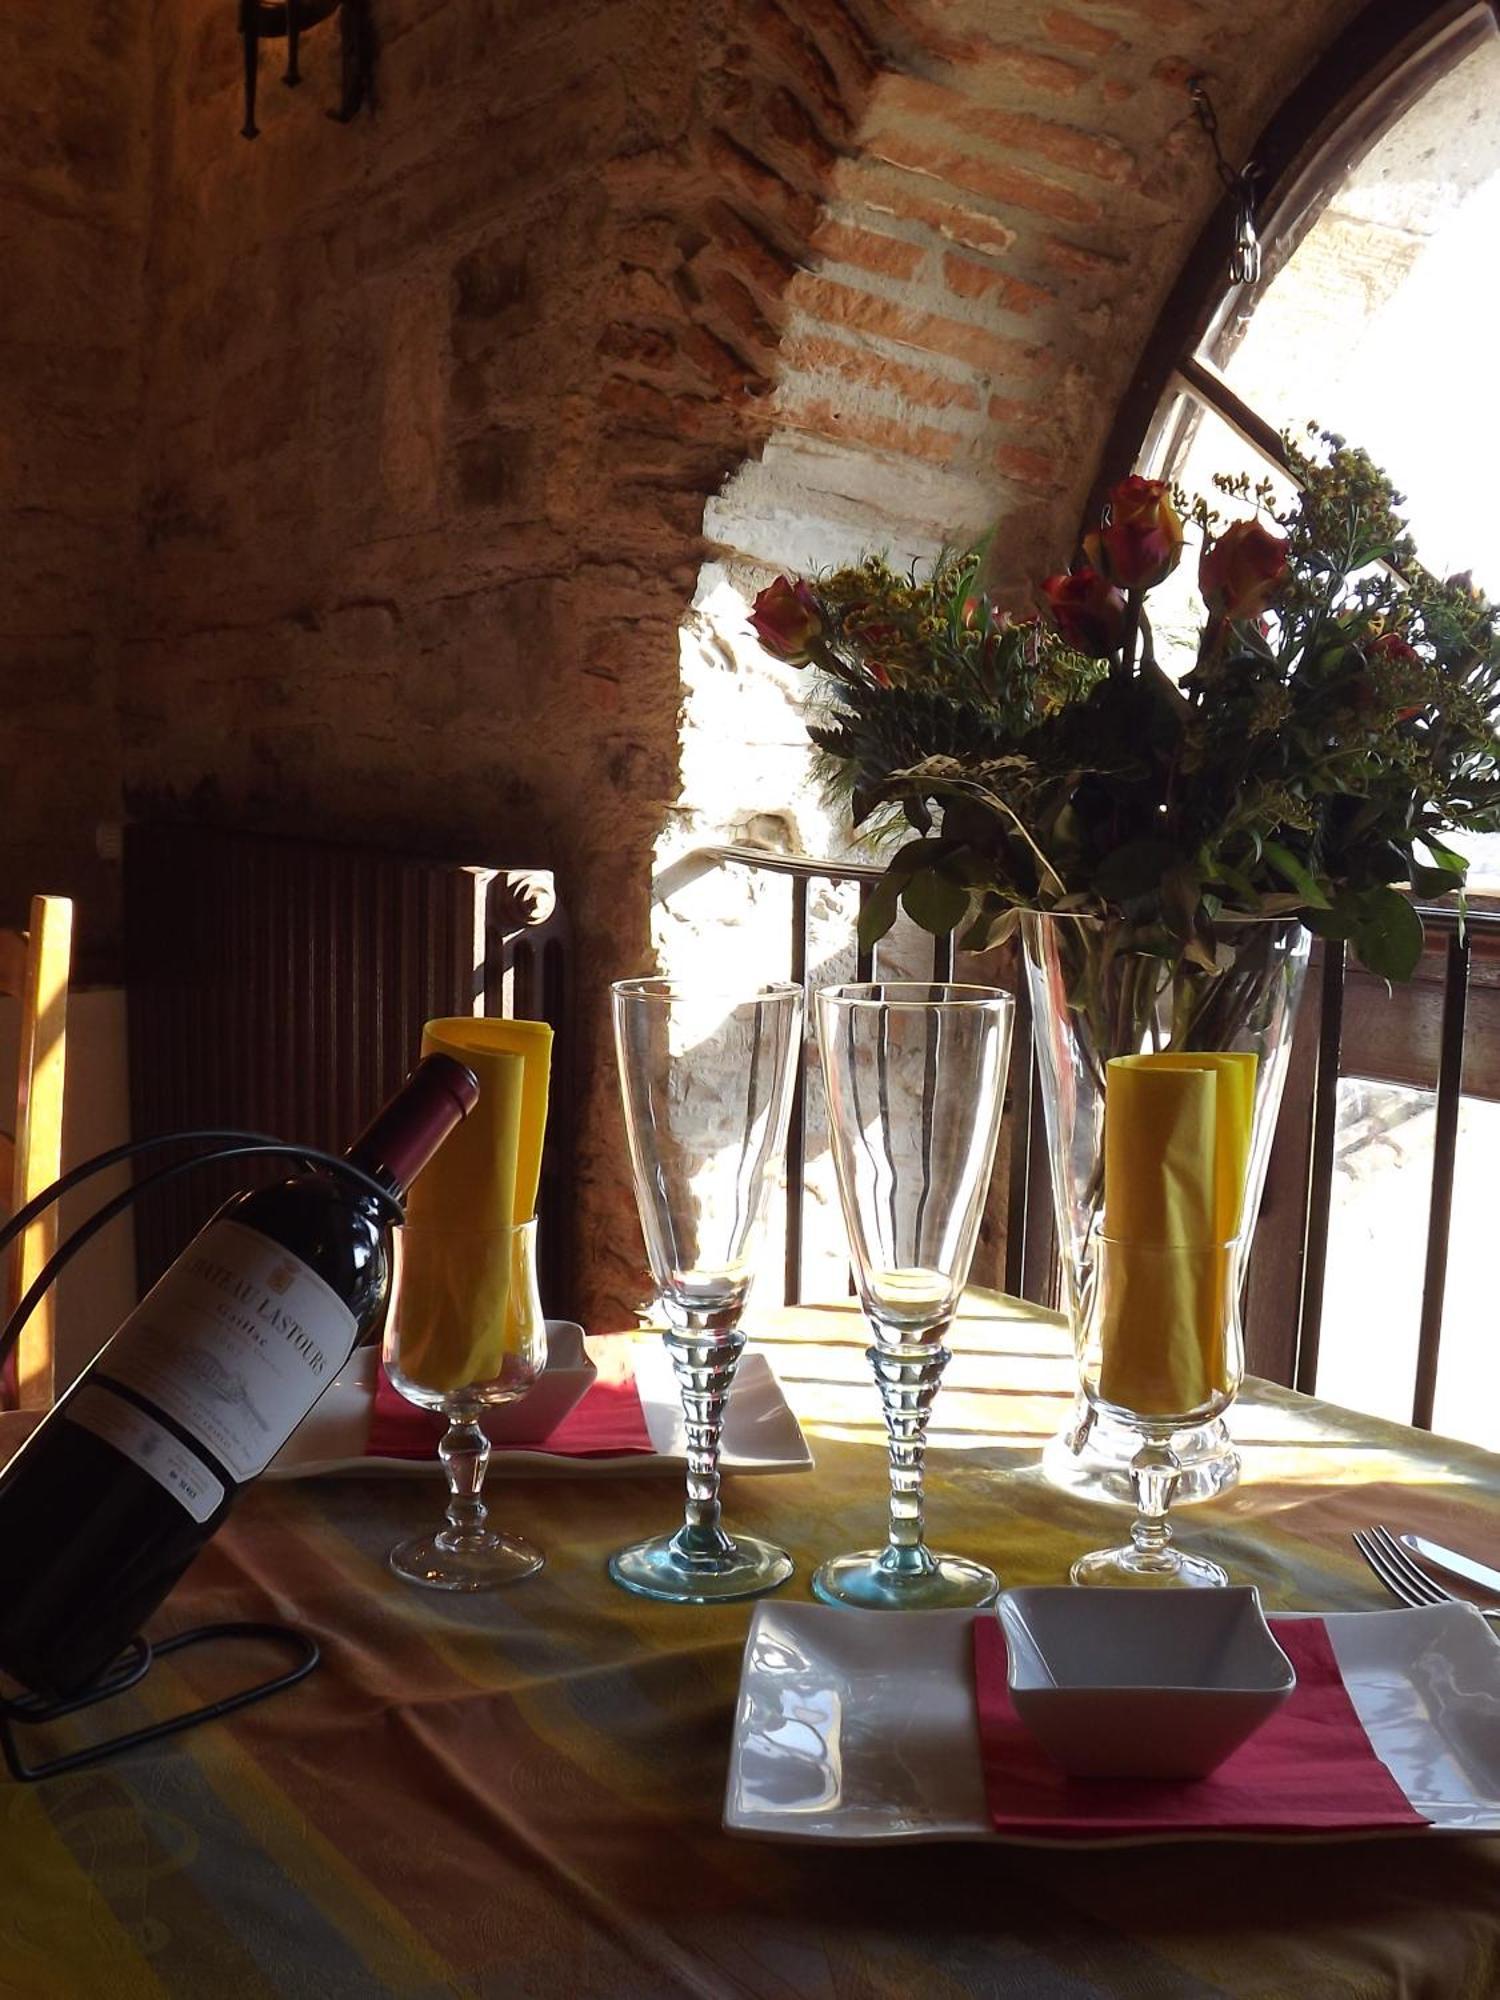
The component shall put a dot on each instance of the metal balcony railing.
(1289, 1268)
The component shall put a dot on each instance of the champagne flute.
(915, 1076)
(465, 1334)
(707, 1081)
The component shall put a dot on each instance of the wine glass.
(465, 1334)
(915, 1076)
(707, 1081)
(1161, 1351)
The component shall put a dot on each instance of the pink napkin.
(1310, 1768)
(605, 1422)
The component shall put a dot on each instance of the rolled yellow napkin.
(1176, 1153)
(453, 1308)
(474, 1037)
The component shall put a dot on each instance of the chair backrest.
(34, 967)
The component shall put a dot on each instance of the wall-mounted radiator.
(280, 985)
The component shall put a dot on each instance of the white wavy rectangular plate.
(760, 1432)
(861, 1726)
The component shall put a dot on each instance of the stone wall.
(464, 428)
(73, 106)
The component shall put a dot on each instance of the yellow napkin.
(1176, 1153)
(471, 1037)
(454, 1308)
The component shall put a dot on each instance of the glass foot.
(662, 1568)
(481, 1561)
(1164, 1569)
(870, 1583)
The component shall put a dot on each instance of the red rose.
(1088, 611)
(1240, 573)
(1141, 539)
(1393, 649)
(788, 621)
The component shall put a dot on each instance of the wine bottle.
(135, 1468)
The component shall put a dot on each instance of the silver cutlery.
(1454, 1564)
(1402, 1577)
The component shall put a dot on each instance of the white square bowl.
(1141, 1683)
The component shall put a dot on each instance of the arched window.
(1373, 317)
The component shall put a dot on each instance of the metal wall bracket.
(288, 22)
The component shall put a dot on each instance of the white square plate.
(855, 1726)
(760, 1432)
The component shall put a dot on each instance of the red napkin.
(1310, 1768)
(606, 1422)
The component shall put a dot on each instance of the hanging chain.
(1239, 185)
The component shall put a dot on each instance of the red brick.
(761, 183)
(814, 351)
(1072, 31)
(970, 280)
(922, 441)
(1029, 466)
(757, 259)
(889, 256)
(794, 127)
(886, 190)
(1157, 13)
(1009, 186)
(1014, 410)
(840, 305)
(1102, 159)
(722, 365)
(975, 53)
(795, 50)
(1083, 258)
(740, 311)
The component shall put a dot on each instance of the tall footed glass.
(1101, 988)
(465, 1334)
(1161, 1352)
(915, 1076)
(707, 1079)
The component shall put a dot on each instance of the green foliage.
(1309, 761)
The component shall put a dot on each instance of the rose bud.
(1088, 611)
(1393, 650)
(1141, 540)
(1240, 572)
(788, 621)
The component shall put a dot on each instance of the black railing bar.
(796, 1144)
(1320, 1168)
(942, 959)
(1444, 1159)
(864, 955)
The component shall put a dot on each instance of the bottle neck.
(402, 1137)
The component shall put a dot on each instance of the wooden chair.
(34, 967)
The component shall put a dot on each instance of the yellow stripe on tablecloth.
(59, 1938)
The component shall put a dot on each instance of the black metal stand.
(31, 1710)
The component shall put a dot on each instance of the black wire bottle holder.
(30, 1710)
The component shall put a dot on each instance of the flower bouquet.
(1165, 839)
(1337, 723)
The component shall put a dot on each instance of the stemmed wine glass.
(1161, 1351)
(915, 1076)
(707, 1081)
(465, 1334)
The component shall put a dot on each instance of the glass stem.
(704, 1359)
(1155, 1470)
(465, 1453)
(908, 1379)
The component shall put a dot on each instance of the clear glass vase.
(1099, 990)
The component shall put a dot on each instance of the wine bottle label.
(148, 1444)
(235, 1342)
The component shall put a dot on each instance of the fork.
(1402, 1577)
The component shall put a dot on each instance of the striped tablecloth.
(519, 1795)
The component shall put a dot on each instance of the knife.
(1454, 1564)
